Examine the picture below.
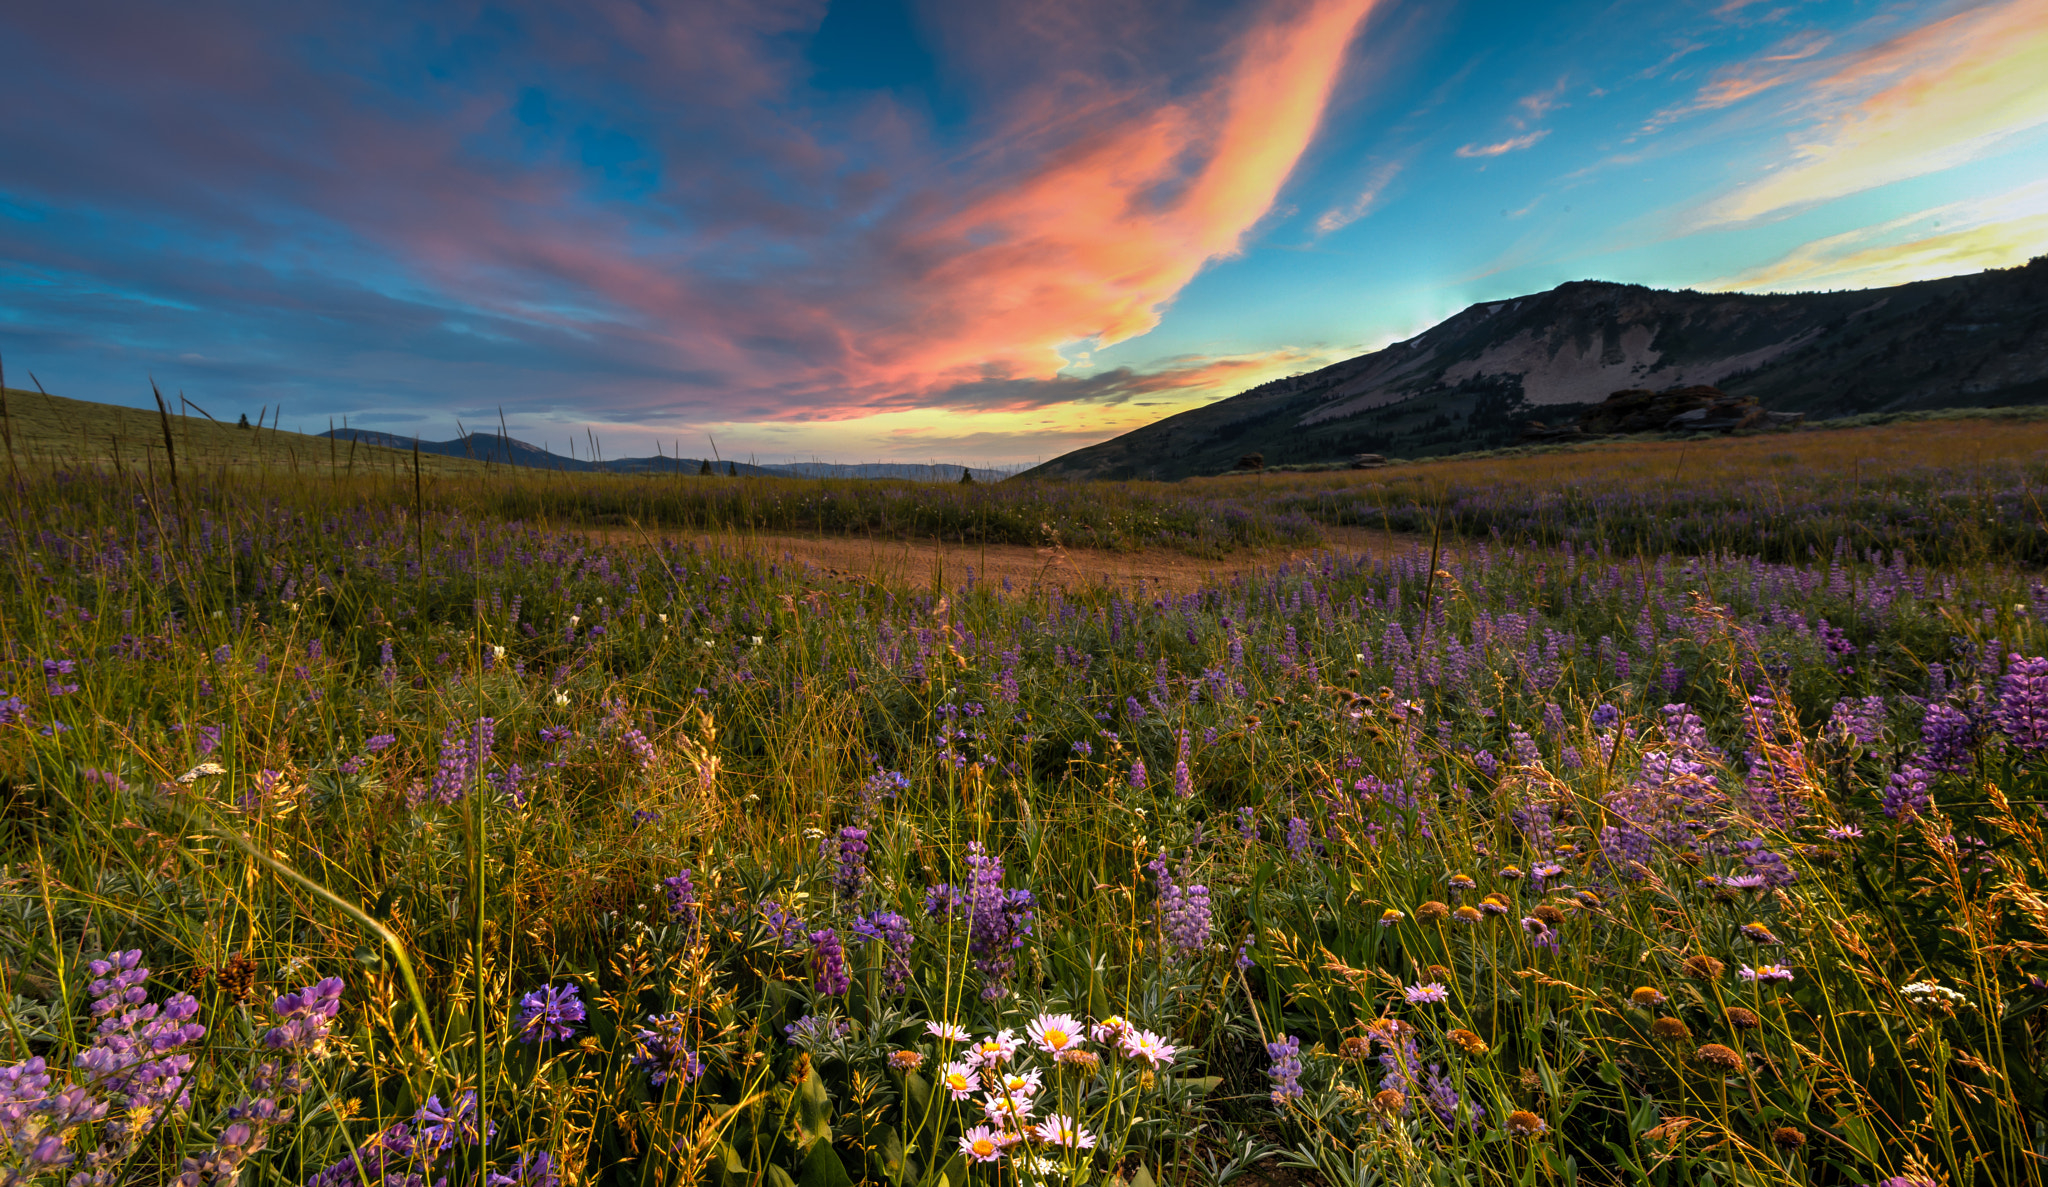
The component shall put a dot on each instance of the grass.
(464, 761)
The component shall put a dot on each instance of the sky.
(977, 231)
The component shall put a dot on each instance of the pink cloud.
(1502, 148)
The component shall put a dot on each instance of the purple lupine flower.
(441, 1128)
(13, 710)
(1138, 777)
(379, 743)
(549, 1013)
(307, 1017)
(1183, 780)
(536, 1169)
(828, 963)
(1247, 824)
(682, 896)
(998, 920)
(787, 929)
(892, 931)
(135, 1056)
(660, 1050)
(1857, 718)
(1298, 839)
(2022, 712)
(850, 850)
(1244, 954)
(1907, 793)
(1185, 917)
(1947, 736)
(815, 1028)
(1285, 1071)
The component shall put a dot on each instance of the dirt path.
(915, 563)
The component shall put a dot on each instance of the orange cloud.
(1930, 99)
(1093, 243)
(1512, 144)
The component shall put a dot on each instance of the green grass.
(726, 716)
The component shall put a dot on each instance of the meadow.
(364, 828)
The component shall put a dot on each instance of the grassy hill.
(51, 430)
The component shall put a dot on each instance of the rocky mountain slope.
(1476, 379)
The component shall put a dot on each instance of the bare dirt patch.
(919, 564)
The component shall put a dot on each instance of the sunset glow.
(894, 230)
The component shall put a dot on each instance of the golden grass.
(52, 430)
(1859, 454)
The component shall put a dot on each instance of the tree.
(966, 476)
(245, 421)
(704, 470)
(1252, 461)
(732, 469)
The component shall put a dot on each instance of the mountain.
(510, 451)
(1476, 379)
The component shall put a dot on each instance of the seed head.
(1549, 913)
(1670, 1028)
(1741, 1019)
(1354, 1047)
(1525, 1123)
(1389, 1100)
(1703, 967)
(1432, 912)
(1466, 1041)
(1718, 1057)
(1787, 1138)
(1648, 996)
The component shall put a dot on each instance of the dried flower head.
(1741, 1019)
(1648, 996)
(1432, 912)
(1718, 1057)
(237, 978)
(1670, 1028)
(1549, 913)
(1787, 1138)
(1466, 1041)
(1355, 1047)
(1438, 972)
(1525, 1124)
(1085, 1062)
(1389, 1100)
(1703, 967)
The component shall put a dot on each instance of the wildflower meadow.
(359, 834)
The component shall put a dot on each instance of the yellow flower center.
(1055, 1037)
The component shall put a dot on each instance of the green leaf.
(955, 1172)
(1143, 1177)
(919, 1090)
(822, 1168)
(1205, 1085)
(813, 1110)
(777, 1177)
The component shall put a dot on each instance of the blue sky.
(886, 229)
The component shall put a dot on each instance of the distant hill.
(1474, 380)
(502, 450)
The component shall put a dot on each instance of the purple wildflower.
(1285, 1071)
(2022, 712)
(549, 1013)
(828, 963)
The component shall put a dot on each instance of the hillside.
(55, 430)
(1473, 381)
(503, 450)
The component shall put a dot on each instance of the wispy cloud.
(1503, 147)
(1995, 232)
(1926, 100)
(1376, 183)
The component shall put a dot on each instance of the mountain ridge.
(1473, 380)
(499, 449)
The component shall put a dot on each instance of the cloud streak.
(1503, 147)
(1926, 100)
